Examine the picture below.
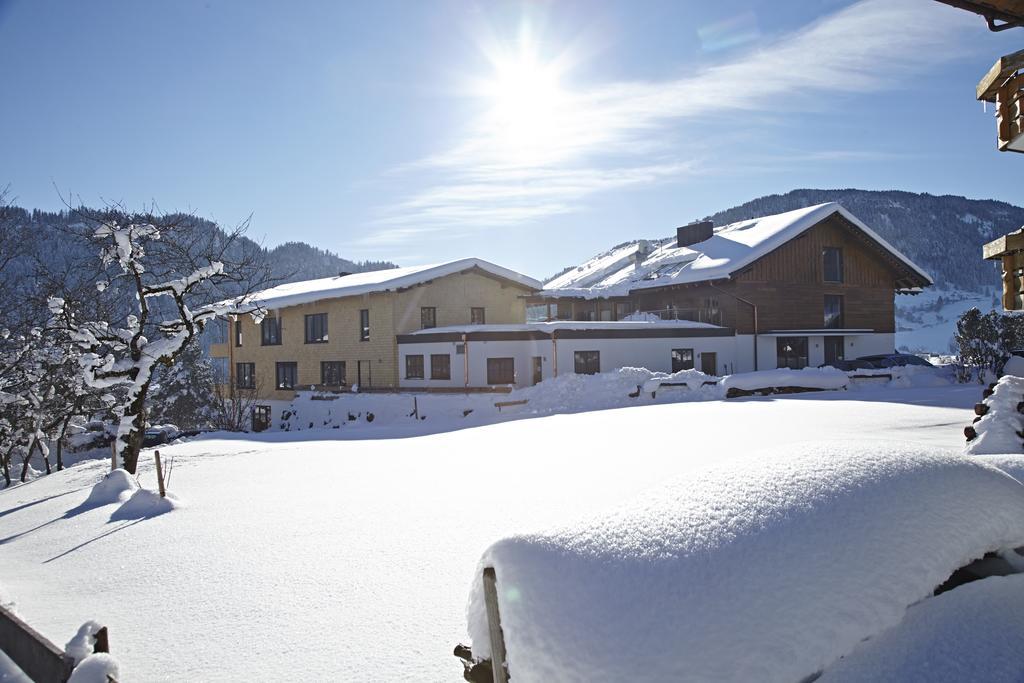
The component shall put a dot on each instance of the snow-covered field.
(926, 322)
(309, 556)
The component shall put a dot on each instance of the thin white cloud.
(618, 135)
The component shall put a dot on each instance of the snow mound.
(113, 488)
(96, 668)
(972, 633)
(81, 644)
(766, 569)
(145, 503)
(998, 429)
(808, 378)
(1012, 464)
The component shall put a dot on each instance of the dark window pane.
(414, 367)
(332, 372)
(428, 317)
(440, 366)
(477, 316)
(316, 328)
(287, 375)
(682, 359)
(501, 371)
(238, 332)
(364, 324)
(245, 375)
(833, 261)
(270, 331)
(587, 362)
(833, 311)
(791, 352)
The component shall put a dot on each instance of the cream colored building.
(342, 331)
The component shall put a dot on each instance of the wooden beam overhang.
(1009, 250)
(999, 14)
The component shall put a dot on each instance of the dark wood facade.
(787, 286)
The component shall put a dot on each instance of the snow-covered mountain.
(942, 234)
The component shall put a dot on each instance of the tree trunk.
(60, 443)
(6, 462)
(28, 456)
(133, 444)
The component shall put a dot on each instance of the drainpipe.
(554, 354)
(465, 360)
(749, 303)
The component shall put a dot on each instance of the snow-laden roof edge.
(731, 248)
(308, 291)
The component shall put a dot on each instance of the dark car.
(892, 360)
(154, 437)
(850, 365)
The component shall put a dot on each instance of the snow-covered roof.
(766, 569)
(731, 248)
(308, 291)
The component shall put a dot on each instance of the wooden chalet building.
(806, 287)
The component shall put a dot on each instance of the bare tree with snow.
(178, 278)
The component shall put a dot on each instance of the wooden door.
(709, 363)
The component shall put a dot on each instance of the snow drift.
(975, 632)
(115, 486)
(767, 569)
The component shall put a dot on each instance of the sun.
(528, 107)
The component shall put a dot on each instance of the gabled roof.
(730, 249)
(308, 291)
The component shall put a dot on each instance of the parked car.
(891, 360)
(850, 365)
(160, 434)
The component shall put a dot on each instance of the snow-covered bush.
(767, 568)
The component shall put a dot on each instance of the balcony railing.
(712, 316)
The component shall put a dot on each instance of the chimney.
(694, 233)
(643, 250)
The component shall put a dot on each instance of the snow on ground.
(973, 633)
(763, 569)
(345, 555)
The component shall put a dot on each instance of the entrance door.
(709, 363)
(364, 377)
(833, 350)
(538, 369)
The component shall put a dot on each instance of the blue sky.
(532, 134)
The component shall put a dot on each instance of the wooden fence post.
(113, 454)
(160, 474)
(494, 626)
(102, 641)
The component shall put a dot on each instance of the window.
(587, 362)
(245, 375)
(833, 259)
(791, 352)
(364, 324)
(833, 311)
(238, 332)
(682, 359)
(501, 371)
(440, 366)
(287, 375)
(477, 316)
(621, 310)
(428, 317)
(316, 328)
(220, 370)
(270, 331)
(414, 367)
(218, 332)
(833, 350)
(332, 373)
(538, 369)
